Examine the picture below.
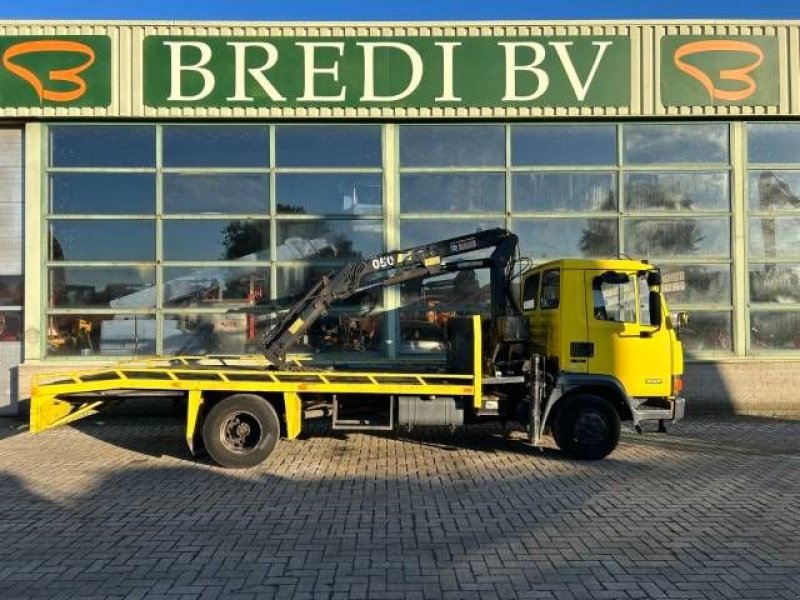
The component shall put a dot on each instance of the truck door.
(626, 345)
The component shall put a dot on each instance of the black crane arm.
(392, 268)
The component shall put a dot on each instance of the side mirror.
(655, 309)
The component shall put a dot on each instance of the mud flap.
(294, 414)
(193, 423)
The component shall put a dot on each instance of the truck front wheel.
(587, 427)
(241, 431)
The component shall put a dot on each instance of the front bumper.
(674, 413)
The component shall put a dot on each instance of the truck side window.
(614, 298)
(551, 290)
(529, 292)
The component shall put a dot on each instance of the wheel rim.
(241, 432)
(590, 428)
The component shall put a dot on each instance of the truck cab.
(604, 331)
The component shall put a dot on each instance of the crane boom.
(388, 269)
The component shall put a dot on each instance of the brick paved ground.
(113, 508)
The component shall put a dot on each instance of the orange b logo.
(69, 75)
(740, 74)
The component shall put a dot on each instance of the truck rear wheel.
(587, 427)
(241, 431)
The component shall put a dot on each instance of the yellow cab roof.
(619, 264)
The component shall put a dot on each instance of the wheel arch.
(608, 388)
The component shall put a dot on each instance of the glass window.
(775, 283)
(328, 145)
(677, 191)
(11, 326)
(707, 237)
(341, 240)
(215, 286)
(102, 240)
(561, 238)
(707, 331)
(102, 287)
(551, 290)
(216, 146)
(329, 193)
(696, 284)
(103, 146)
(452, 146)
(452, 192)
(773, 190)
(563, 145)
(529, 292)
(774, 330)
(103, 193)
(614, 298)
(565, 192)
(773, 143)
(774, 237)
(416, 232)
(230, 332)
(12, 291)
(688, 143)
(89, 335)
(215, 239)
(236, 193)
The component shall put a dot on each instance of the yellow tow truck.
(571, 347)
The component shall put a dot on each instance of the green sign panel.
(55, 71)
(719, 70)
(387, 72)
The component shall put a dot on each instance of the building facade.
(166, 187)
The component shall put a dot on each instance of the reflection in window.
(328, 146)
(102, 193)
(216, 146)
(11, 326)
(562, 238)
(102, 240)
(677, 237)
(340, 240)
(696, 284)
(428, 305)
(101, 287)
(229, 332)
(214, 239)
(349, 329)
(773, 143)
(677, 191)
(236, 193)
(452, 192)
(418, 232)
(563, 145)
(530, 292)
(88, 335)
(562, 192)
(773, 190)
(103, 146)
(774, 330)
(452, 146)
(614, 300)
(707, 331)
(12, 291)
(354, 194)
(550, 295)
(775, 283)
(208, 287)
(774, 237)
(688, 143)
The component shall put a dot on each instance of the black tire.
(587, 427)
(241, 431)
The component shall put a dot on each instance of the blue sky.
(271, 10)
